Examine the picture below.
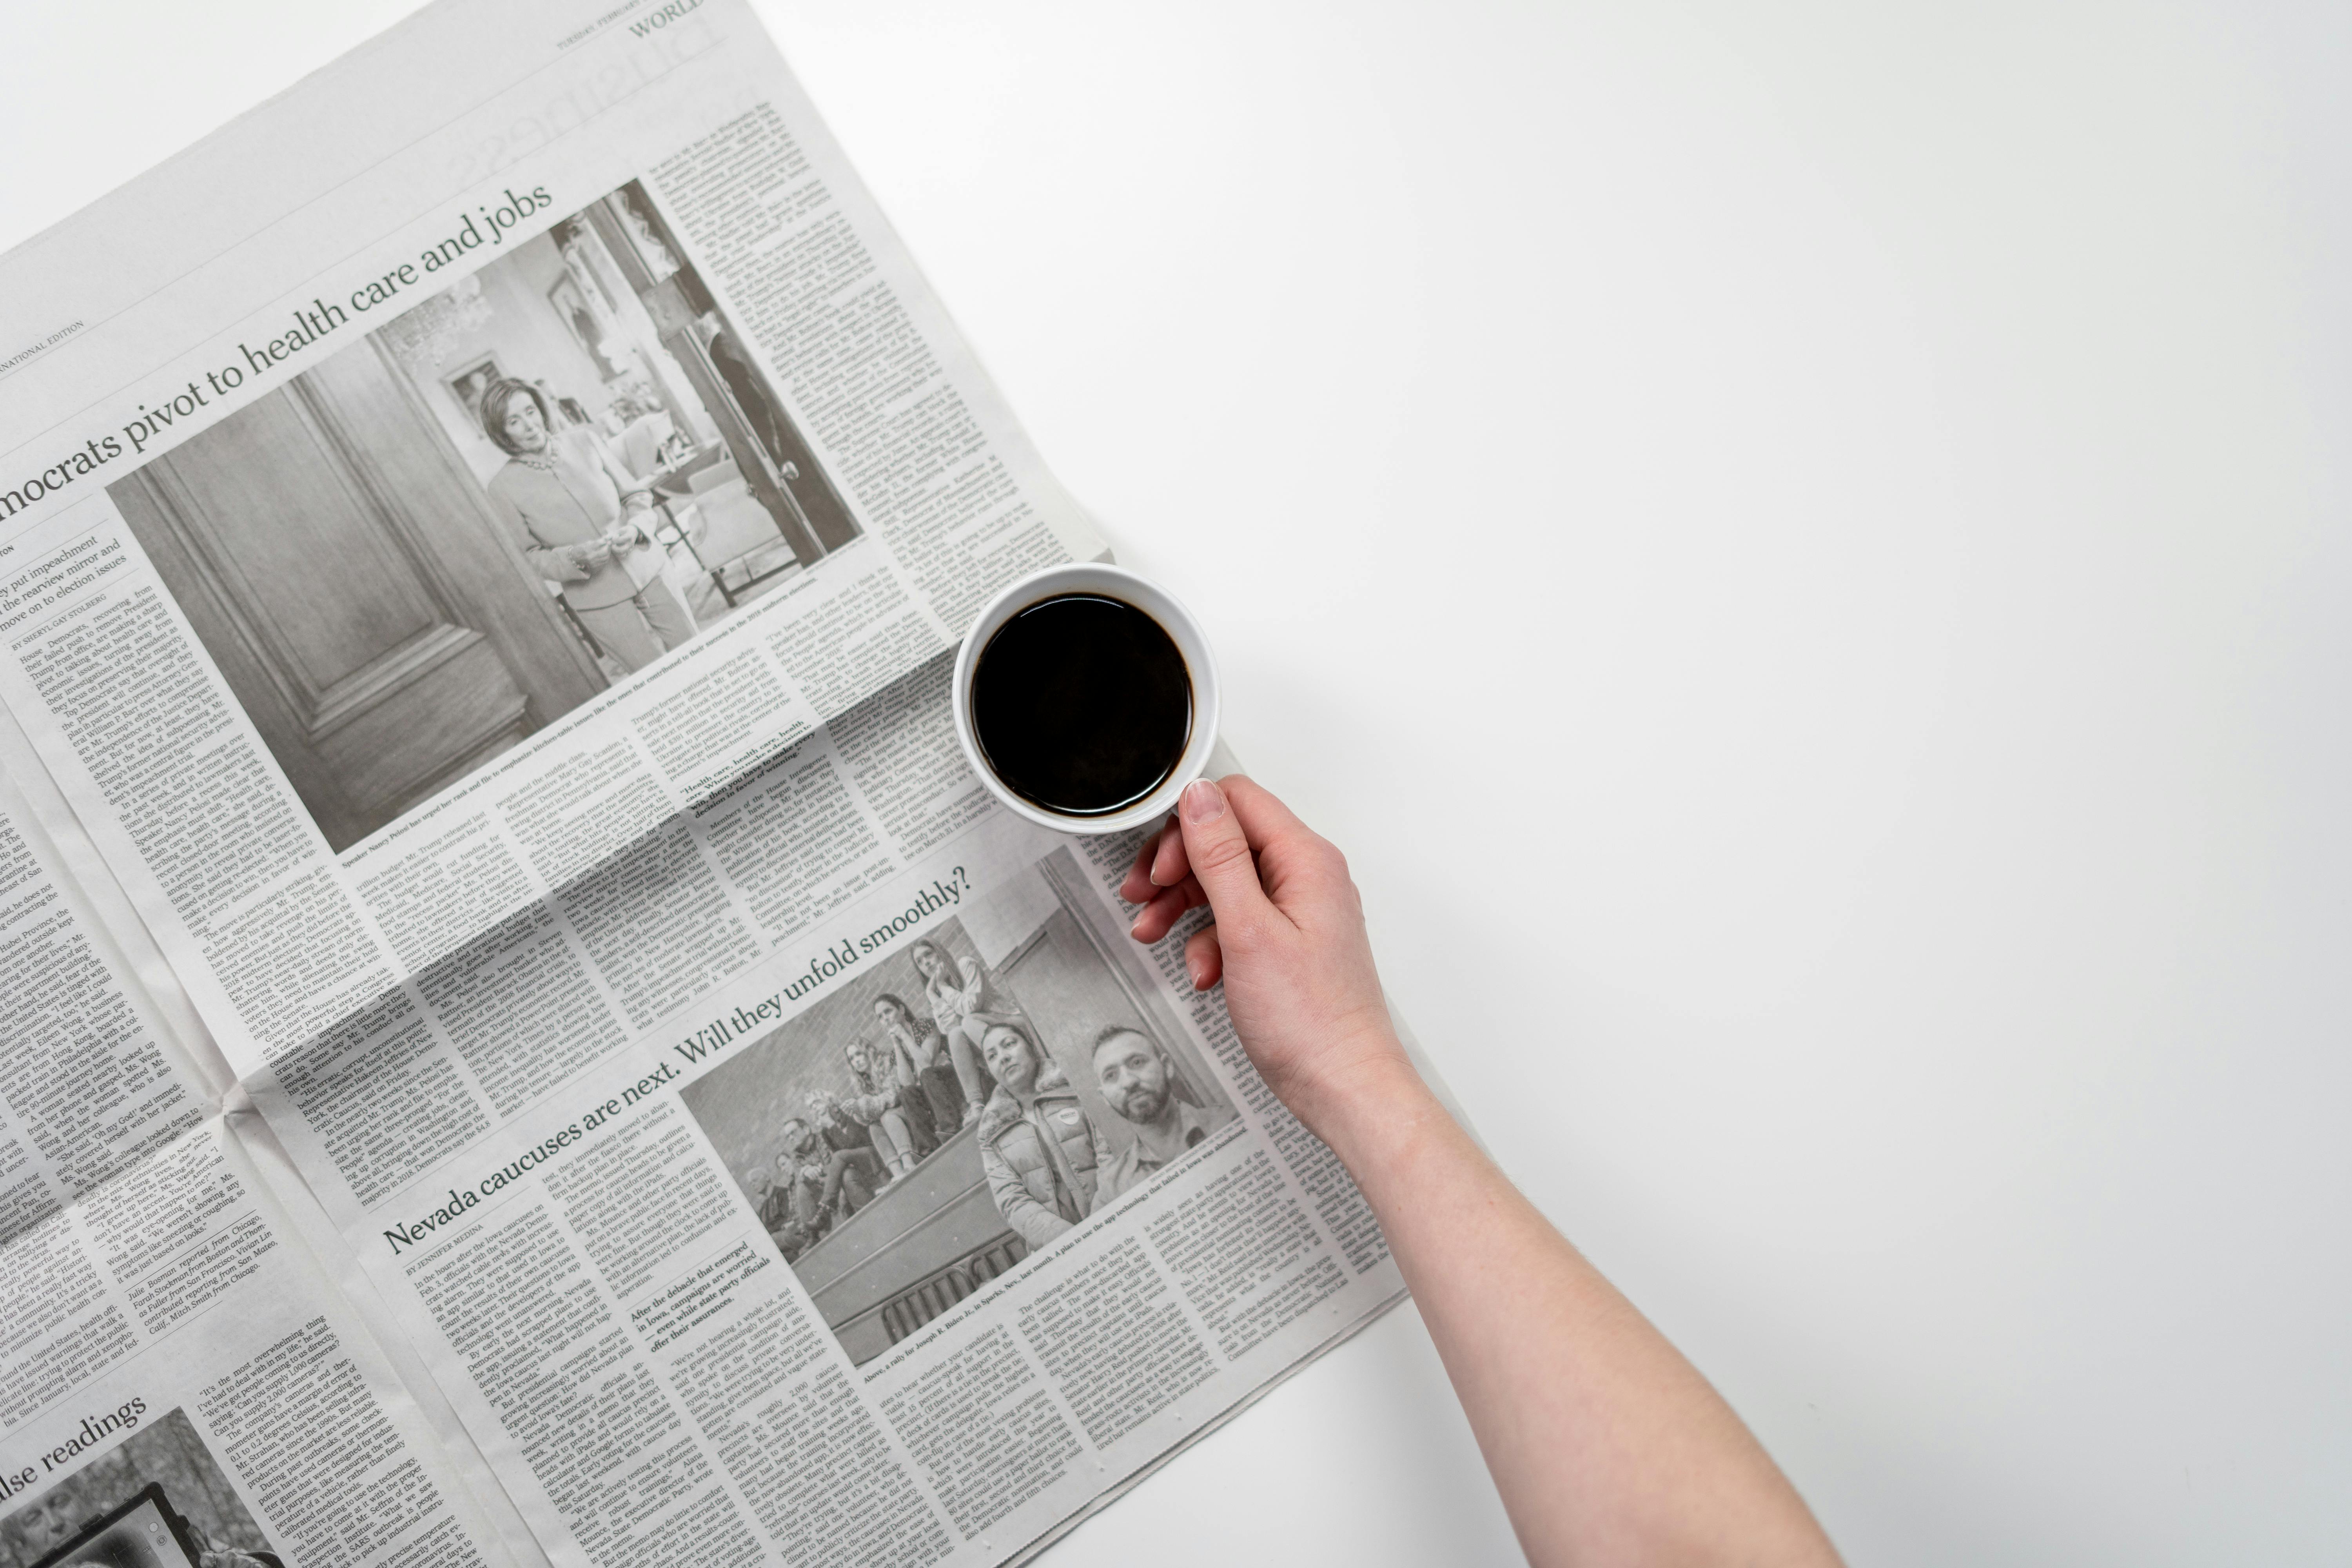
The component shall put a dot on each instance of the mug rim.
(1162, 606)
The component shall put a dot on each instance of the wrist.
(1395, 1137)
(1368, 1094)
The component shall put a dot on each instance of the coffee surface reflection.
(1081, 704)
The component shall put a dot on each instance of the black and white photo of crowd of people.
(1009, 1073)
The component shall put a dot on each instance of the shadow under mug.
(1113, 583)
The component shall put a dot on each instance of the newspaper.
(525, 1041)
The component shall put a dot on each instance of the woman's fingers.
(1137, 889)
(1219, 851)
(1159, 864)
(1165, 907)
(1158, 914)
(1262, 816)
(1140, 885)
(1205, 961)
(1206, 852)
(1169, 866)
(1283, 846)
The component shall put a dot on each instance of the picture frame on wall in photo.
(579, 315)
(471, 381)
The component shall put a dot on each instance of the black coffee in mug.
(1081, 704)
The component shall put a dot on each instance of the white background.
(1802, 551)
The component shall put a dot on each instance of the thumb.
(1219, 857)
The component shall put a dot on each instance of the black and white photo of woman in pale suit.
(578, 519)
(432, 544)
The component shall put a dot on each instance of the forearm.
(1606, 1444)
(556, 562)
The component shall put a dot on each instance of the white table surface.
(1802, 551)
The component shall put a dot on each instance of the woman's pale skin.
(1606, 1444)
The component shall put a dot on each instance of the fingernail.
(1204, 801)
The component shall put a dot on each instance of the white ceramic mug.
(1113, 583)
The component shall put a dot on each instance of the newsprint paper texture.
(523, 1040)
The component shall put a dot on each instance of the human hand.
(1288, 941)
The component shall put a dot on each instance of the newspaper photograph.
(558, 1059)
(526, 487)
(897, 1161)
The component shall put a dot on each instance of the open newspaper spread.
(523, 1040)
